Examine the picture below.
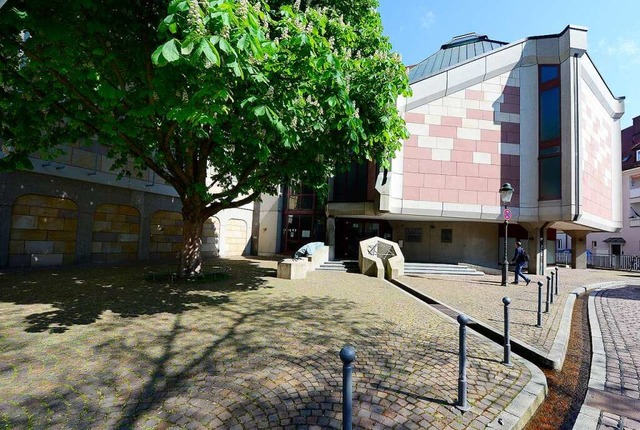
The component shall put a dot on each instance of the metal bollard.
(553, 278)
(347, 355)
(557, 281)
(462, 404)
(551, 289)
(539, 324)
(546, 306)
(507, 342)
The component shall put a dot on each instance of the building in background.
(535, 113)
(75, 210)
(627, 240)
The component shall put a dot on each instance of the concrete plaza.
(105, 348)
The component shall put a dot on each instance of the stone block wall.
(115, 236)
(43, 231)
(235, 237)
(209, 240)
(166, 235)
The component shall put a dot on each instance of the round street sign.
(506, 214)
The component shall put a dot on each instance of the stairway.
(439, 269)
(350, 266)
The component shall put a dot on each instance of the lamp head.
(506, 192)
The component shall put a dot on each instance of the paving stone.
(235, 357)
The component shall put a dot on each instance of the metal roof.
(615, 240)
(457, 50)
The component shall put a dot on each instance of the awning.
(615, 240)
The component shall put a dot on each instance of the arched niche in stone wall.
(43, 231)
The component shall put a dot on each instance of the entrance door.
(297, 232)
(615, 253)
(349, 233)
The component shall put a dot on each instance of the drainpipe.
(577, 215)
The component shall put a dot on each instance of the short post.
(546, 306)
(347, 355)
(539, 324)
(553, 279)
(551, 288)
(507, 342)
(462, 403)
(557, 279)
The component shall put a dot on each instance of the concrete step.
(350, 266)
(439, 269)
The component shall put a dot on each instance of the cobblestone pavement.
(102, 348)
(618, 398)
(481, 298)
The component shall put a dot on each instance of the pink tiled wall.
(596, 162)
(454, 151)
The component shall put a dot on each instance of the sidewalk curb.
(518, 413)
(589, 417)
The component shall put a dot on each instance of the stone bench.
(293, 269)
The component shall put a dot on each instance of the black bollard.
(551, 284)
(347, 355)
(462, 404)
(507, 342)
(556, 281)
(546, 306)
(539, 324)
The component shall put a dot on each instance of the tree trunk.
(190, 258)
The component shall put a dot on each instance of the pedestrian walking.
(520, 258)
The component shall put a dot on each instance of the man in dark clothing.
(520, 260)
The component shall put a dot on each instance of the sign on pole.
(506, 214)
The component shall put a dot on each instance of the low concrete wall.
(290, 268)
(293, 269)
(320, 256)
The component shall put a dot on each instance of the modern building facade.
(627, 240)
(535, 113)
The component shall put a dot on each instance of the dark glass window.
(446, 235)
(548, 73)
(550, 130)
(550, 114)
(351, 186)
(413, 235)
(550, 178)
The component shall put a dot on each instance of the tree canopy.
(243, 96)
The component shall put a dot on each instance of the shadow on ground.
(80, 299)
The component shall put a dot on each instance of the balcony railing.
(630, 263)
(634, 222)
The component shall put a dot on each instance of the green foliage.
(244, 96)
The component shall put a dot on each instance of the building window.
(638, 155)
(351, 186)
(446, 235)
(594, 243)
(549, 128)
(413, 235)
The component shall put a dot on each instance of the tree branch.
(214, 208)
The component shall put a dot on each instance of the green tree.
(223, 99)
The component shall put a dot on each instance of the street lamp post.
(506, 191)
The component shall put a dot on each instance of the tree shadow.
(628, 292)
(80, 296)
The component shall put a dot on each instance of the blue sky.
(417, 28)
